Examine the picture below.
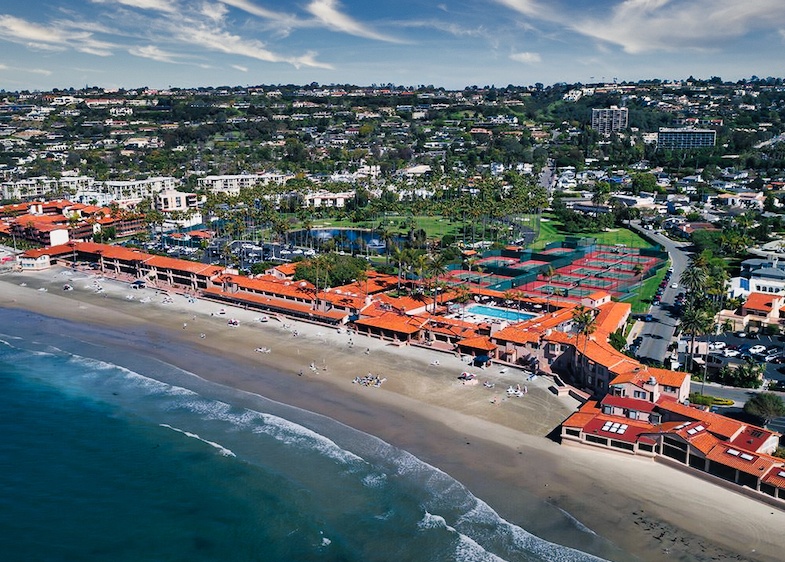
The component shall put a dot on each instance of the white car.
(674, 285)
(717, 345)
(731, 353)
(756, 349)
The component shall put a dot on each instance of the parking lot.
(738, 346)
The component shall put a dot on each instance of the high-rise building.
(686, 138)
(606, 121)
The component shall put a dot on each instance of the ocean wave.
(290, 433)
(580, 526)
(136, 380)
(466, 549)
(374, 480)
(8, 343)
(221, 449)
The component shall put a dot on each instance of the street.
(658, 334)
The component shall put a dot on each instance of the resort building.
(171, 201)
(720, 449)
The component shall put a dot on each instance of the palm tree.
(437, 266)
(585, 321)
(695, 278)
(694, 321)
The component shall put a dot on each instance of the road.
(658, 334)
(547, 178)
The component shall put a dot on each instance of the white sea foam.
(291, 433)
(431, 521)
(221, 449)
(375, 480)
(478, 523)
(467, 549)
(139, 381)
(580, 526)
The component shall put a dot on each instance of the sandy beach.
(496, 445)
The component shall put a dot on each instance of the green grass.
(434, 226)
(551, 231)
(641, 299)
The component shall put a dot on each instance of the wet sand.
(500, 451)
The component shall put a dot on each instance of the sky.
(46, 44)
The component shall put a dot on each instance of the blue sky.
(48, 44)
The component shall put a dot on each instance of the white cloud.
(639, 26)
(526, 57)
(326, 12)
(214, 12)
(51, 38)
(154, 53)
(525, 7)
(167, 6)
(226, 42)
(240, 68)
(452, 28)
(41, 71)
(258, 11)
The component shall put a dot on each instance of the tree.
(694, 321)
(437, 267)
(586, 322)
(617, 340)
(766, 406)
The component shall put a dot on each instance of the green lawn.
(438, 226)
(550, 231)
(641, 299)
(434, 226)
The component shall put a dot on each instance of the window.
(641, 394)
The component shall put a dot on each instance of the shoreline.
(649, 510)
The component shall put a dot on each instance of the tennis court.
(497, 262)
(557, 251)
(529, 264)
(482, 279)
(581, 270)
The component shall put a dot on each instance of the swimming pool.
(503, 313)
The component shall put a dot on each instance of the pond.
(346, 239)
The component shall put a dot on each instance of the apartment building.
(686, 138)
(607, 121)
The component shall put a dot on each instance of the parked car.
(741, 334)
(731, 353)
(717, 345)
(758, 349)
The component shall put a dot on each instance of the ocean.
(130, 458)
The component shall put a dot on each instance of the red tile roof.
(751, 463)
(611, 316)
(393, 322)
(760, 301)
(619, 428)
(286, 269)
(483, 343)
(725, 428)
(272, 286)
(278, 304)
(628, 403)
